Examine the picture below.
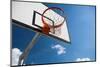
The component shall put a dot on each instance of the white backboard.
(24, 12)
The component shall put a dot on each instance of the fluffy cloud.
(60, 49)
(15, 56)
(82, 59)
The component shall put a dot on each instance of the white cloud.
(15, 56)
(83, 59)
(60, 49)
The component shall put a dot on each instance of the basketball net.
(46, 29)
(53, 27)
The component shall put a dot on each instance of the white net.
(56, 31)
(54, 20)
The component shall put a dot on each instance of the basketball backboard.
(28, 14)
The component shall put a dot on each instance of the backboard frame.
(28, 18)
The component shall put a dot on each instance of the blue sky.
(81, 26)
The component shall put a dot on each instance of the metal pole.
(24, 55)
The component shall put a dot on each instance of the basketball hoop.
(53, 26)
